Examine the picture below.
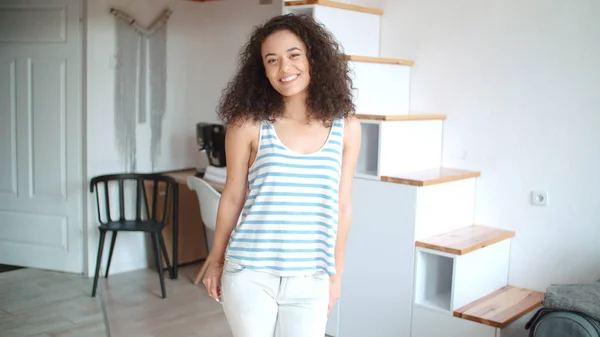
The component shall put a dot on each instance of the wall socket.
(539, 198)
(265, 2)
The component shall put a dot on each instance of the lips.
(288, 79)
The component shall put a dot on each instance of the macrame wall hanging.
(141, 59)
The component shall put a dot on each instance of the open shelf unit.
(454, 269)
(367, 165)
(392, 146)
(433, 280)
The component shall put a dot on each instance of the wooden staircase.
(463, 273)
(416, 264)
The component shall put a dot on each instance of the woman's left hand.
(335, 289)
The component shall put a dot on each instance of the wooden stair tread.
(335, 4)
(415, 117)
(465, 240)
(501, 307)
(384, 60)
(431, 176)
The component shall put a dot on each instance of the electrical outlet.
(539, 198)
(265, 2)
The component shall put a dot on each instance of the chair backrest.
(215, 174)
(152, 196)
(208, 198)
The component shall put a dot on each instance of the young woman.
(292, 146)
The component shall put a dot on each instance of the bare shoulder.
(240, 140)
(245, 128)
(243, 133)
(352, 131)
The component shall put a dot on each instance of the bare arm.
(352, 141)
(238, 148)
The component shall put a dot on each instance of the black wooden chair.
(146, 218)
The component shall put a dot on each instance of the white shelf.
(437, 301)
(367, 165)
(433, 280)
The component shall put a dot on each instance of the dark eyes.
(291, 56)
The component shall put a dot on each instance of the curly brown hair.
(250, 96)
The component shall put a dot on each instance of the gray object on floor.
(581, 298)
(550, 323)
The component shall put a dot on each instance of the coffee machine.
(211, 141)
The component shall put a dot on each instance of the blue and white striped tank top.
(289, 222)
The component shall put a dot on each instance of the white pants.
(259, 304)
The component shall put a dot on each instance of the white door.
(41, 181)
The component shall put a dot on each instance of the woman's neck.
(296, 108)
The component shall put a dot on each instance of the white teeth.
(288, 79)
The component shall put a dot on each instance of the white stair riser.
(444, 207)
(431, 323)
(409, 146)
(380, 88)
(433, 280)
(480, 273)
(357, 32)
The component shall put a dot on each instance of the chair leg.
(112, 247)
(157, 254)
(202, 271)
(98, 261)
(165, 255)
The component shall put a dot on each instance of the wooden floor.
(35, 303)
(41, 303)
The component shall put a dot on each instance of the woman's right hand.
(212, 279)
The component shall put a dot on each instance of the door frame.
(83, 34)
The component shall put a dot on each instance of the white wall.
(519, 82)
(203, 40)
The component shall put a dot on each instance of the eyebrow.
(289, 50)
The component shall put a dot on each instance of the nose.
(284, 65)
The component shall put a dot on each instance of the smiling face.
(286, 63)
